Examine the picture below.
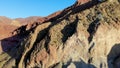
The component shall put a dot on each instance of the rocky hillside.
(84, 35)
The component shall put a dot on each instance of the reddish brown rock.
(83, 1)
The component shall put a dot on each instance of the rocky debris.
(81, 36)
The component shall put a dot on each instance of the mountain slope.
(84, 35)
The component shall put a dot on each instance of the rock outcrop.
(81, 36)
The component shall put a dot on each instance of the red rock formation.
(83, 1)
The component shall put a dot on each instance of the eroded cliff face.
(81, 36)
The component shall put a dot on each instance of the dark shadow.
(21, 30)
(90, 60)
(8, 44)
(69, 30)
(79, 64)
(113, 58)
(93, 28)
(82, 64)
(103, 65)
(91, 47)
(67, 64)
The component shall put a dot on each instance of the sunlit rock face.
(84, 35)
(83, 1)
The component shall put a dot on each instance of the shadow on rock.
(69, 30)
(10, 43)
(93, 28)
(113, 57)
(78, 64)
